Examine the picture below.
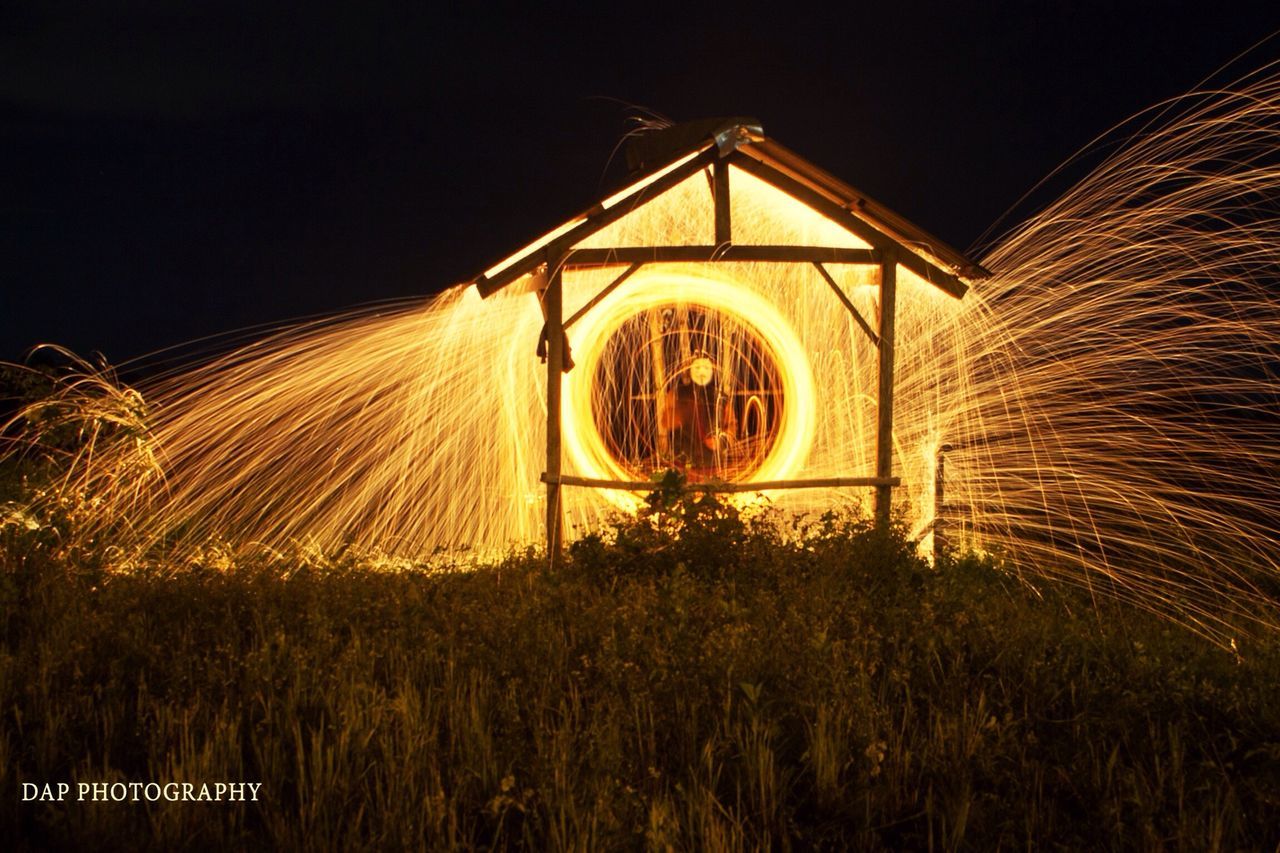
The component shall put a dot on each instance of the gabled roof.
(663, 158)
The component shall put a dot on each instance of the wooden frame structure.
(713, 146)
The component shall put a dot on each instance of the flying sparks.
(1109, 398)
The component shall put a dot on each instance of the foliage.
(77, 440)
(699, 678)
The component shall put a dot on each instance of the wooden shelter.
(722, 149)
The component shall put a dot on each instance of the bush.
(699, 677)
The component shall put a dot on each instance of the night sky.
(169, 173)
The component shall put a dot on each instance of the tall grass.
(692, 679)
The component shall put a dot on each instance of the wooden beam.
(730, 488)
(940, 504)
(842, 216)
(596, 220)
(691, 254)
(944, 281)
(553, 299)
(605, 291)
(658, 376)
(884, 399)
(849, 306)
(720, 193)
(819, 202)
(882, 218)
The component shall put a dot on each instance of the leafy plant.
(85, 439)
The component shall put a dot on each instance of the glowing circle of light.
(584, 445)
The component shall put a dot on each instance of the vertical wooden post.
(720, 193)
(553, 302)
(884, 400)
(658, 376)
(940, 503)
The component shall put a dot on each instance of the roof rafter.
(851, 222)
(596, 219)
(917, 251)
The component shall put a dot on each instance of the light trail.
(1111, 394)
(1122, 422)
(714, 324)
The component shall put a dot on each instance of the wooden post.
(940, 503)
(884, 400)
(720, 188)
(553, 302)
(658, 375)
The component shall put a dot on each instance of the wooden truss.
(892, 242)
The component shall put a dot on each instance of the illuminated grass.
(718, 685)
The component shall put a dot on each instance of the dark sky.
(175, 170)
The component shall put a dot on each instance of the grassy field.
(691, 681)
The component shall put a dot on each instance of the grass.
(690, 680)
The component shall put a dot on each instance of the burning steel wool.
(1109, 396)
(692, 373)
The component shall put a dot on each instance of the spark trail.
(1111, 395)
(1121, 429)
